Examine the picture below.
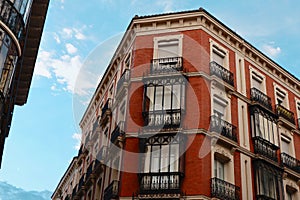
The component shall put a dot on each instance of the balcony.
(11, 17)
(166, 65)
(123, 80)
(265, 148)
(106, 111)
(81, 182)
(261, 98)
(223, 190)
(222, 127)
(160, 183)
(118, 132)
(222, 73)
(112, 190)
(290, 162)
(285, 113)
(162, 119)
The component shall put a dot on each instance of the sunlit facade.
(187, 109)
(21, 26)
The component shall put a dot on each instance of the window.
(219, 169)
(291, 193)
(219, 107)
(219, 54)
(281, 97)
(268, 182)
(162, 157)
(257, 80)
(264, 125)
(164, 101)
(167, 46)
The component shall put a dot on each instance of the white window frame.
(298, 109)
(167, 38)
(287, 135)
(278, 89)
(214, 46)
(228, 161)
(222, 98)
(255, 74)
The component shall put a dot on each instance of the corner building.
(21, 27)
(187, 109)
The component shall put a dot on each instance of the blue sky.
(44, 134)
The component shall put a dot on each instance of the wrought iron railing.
(117, 132)
(106, 107)
(164, 182)
(112, 190)
(74, 192)
(222, 73)
(81, 181)
(222, 127)
(285, 113)
(224, 190)
(265, 148)
(290, 162)
(124, 79)
(165, 65)
(263, 197)
(11, 17)
(261, 98)
(162, 118)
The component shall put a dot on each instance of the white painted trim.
(281, 89)
(167, 38)
(240, 74)
(214, 46)
(255, 72)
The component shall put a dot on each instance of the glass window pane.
(174, 158)
(155, 158)
(176, 97)
(164, 158)
(167, 97)
(147, 159)
(149, 99)
(158, 98)
(218, 58)
(168, 49)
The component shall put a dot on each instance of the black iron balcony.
(81, 181)
(106, 108)
(124, 79)
(222, 127)
(160, 183)
(112, 190)
(265, 148)
(118, 132)
(162, 118)
(263, 197)
(290, 162)
(11, 17)
(224, 190)
(166, 65)
(285, 113)
(74, 192)
(222, 73)
(261, 98)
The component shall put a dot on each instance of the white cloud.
(71, 49)
(167, 5)
(42, 68)
(67, 33)
(56, 38)
(271, 50)
(64, 68)
(77, 137)
(79, 35)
